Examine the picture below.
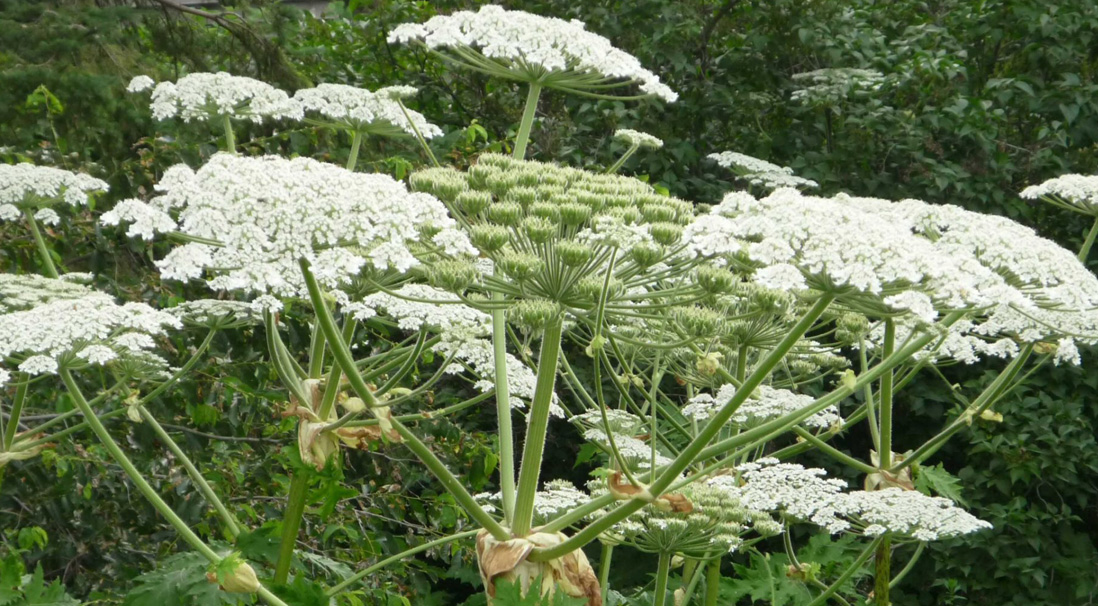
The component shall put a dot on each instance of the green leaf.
(180, 580)
(38, 593)
(302, 592)
(509, 593)
(935, 480)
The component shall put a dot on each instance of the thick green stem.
(231, 525)
(142, 485)
(346, 362)
(356, 142)
(855, 566)
(503, 412)
(1084, 252)
(291, 524)
(604, 569)
(40, 243)
(885, 398)
(16, 412)
(981, 403)
(663, 570)
(358, 576)
(621, 161)
(712, 582)
(523, 135)
(536, 427)
(419, 135)
(697, 446)
(896, 579)
(882, 571)
(230, 138)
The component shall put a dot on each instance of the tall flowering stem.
(621, 161)
(885, 399)
(537, 425)
(346, 362)
(48, 267)
(1084, 252)
(503, 411)
(142, 485)
(663, 571)
(527, 123)
(230, 138)
(356, 143)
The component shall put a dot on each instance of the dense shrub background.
(980, 99)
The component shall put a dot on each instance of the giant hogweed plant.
(721, 342)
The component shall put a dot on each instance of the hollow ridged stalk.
(663, 571)
(16, 411)
(527, 123)
(621, 161)
(230, 138)
(604, 569)
(885, 399)
(536, 427)
(40, 244)
(356, 143)
(342, 355)
(882, 572)
(231, 525)
(503, 412)
(712, 582)
(142, 485)
(1084, 252)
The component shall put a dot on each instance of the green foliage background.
(981, 98)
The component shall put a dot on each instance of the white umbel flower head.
(357, 109)
(140, 84)
(1077, 193)
(635, 138)
(145, 221)
(22, 292)
(910, 513)
(261, 215)
(26, 186)
(556, 498)
(830, 86)
(93, 327)
(760, 172)
(203, 96)
(790, 489)
(522, 46)
(765, 404)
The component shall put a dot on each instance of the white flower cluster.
(765, 404)
(140, 84)
(1030, 288)
(215, 312)
(358, 109)
(30, 186)
(530, 42)
(805, 494)
(1076, 192)
(465, 334)
(831, 85)
(145, 221)
(266, 213)
(760, 172)
(635, 138)
(93, 327)
(202, 96)
(21, 292)
(556, 498)
(911, 513)
(635, 452)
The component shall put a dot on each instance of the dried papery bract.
(570, 574)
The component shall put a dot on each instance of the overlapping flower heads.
(760, 172)
(261, 215)
(805, 494)
(359, 110)
(203, 96)
(765, 404)
(46, 322)
(521, 46)
(555, 498)
(1077, 193)
(26, 186)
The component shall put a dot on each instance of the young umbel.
(694, 352)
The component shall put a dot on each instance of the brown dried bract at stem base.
(507, 560)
